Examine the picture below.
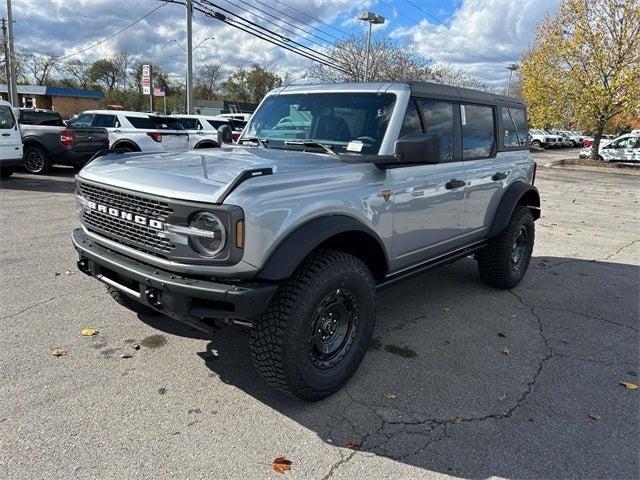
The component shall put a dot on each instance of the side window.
(438, 121)
(82, 120)
(141, 122)
(478, 133)
(7, 119)
(514, 127)
(106, 121)
(411, 123)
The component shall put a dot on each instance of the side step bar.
(395, 278)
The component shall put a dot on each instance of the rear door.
(428, 199)
(174, 137)
(10, 139)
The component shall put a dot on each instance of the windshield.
(347, 122)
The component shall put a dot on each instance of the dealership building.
(67, 101)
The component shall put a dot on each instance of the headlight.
(207, 234)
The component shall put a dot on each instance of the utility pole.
(5, 45)
(512, 67)
(12, 58)
(189, 85)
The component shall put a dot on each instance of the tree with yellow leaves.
(584, 67)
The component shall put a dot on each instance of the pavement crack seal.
(28, 308)
(626, 245)
(344, 459)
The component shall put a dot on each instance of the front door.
(10, 139)
(428, 199)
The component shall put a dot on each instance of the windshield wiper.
(259, 141)
(311, 143)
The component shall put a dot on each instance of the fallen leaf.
(629, 385)
(56, 274)
(445, 309)
(89, 332)
(506, 351)
(564, 340)
(502, 335)
(281, 464)
(68, 272)
(390, 396)
(126, 355)
(136, 346)
(59, 352)
(457, 421)
(503, 397)
(594, 416)
(352, 445)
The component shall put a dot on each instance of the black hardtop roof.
(448, 92)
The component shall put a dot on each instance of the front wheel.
(315, 333)
(36, 161)
(505, 260)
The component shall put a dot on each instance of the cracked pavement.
(436, 395)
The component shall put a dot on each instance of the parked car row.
(37, 139)
(624, 149)
(555, 138)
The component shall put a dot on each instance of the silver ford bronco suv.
(332, 193)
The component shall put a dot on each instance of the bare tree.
(123, 61)
(208, 80)
(388, 62)
(39, 66)
(78, 70)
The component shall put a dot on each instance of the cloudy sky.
(479, 36)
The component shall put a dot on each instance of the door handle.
(499, 176)
(6, 134)
(117, 130)
(454, 183)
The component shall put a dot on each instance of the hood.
(197, 175)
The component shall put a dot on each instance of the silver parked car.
(333, 193)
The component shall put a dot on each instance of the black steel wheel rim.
(519, 249)
(334, 326)
(34, 160)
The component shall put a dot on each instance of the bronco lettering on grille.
(124, 215)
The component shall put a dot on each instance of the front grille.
(121, 230)
(126, 201)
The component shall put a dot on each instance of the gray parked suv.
(333, 192)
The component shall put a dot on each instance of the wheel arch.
(339, 232)
(518, 193)
(125, 144)
(206, 144)
(28, 142)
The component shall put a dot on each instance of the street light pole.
(512, 68)
(371, 18)
(189, 85)
(12, 59)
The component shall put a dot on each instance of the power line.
(310, 16)
(266, 34)
(284, 42)
(112, 35)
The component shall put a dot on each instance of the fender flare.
(291, 251)
(125, 143)
(518, 193)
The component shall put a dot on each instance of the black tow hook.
(83, 266)
(153, 297)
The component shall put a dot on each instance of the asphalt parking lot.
(462, 380)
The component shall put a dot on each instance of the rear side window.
(190, 123)
(165, 123)
(217, 123)
(478, 131)
(7, 120)
(105, 121)
(514, 127)
(141, 122)
(411, 123)
(438, 121)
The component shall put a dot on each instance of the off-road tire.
(131, 304)
(281, 341)
(40, 164)
(495, 261)
(6, 172)
(536, 144)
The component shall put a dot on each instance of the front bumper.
(188, 299)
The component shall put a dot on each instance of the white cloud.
(481, 37)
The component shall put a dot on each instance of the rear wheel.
(36, 160)
(131, 304)
(315, 333)
(536, 143)
(505, 260)
(6, 172)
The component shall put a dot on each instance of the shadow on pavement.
(60, 180)
(475, 382)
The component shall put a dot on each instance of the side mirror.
(224, 134)
(418, 148)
